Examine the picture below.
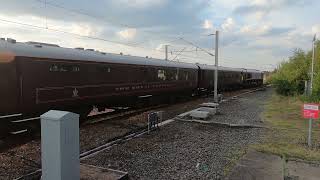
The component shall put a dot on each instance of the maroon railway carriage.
(35, 78)
(228, 78)
(253, 77)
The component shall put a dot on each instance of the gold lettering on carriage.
(75, 93)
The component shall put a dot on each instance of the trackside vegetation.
(287, 129)
(290, 76)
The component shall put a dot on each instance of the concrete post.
(166, 51)
(216, 55)
(60, 145)
(310, 133)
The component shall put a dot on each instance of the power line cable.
(75, 34)
(191, 43)
(135, 45)
(52, 4)
(179, 53)
(197, 50)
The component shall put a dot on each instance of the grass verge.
(288, 131)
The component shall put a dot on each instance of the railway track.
(129, 136)
(25, 134)
(144, 130)
(122, 114)
(32, 129)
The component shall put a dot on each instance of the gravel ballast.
(158, 153)
(26, 158)
(184, 150)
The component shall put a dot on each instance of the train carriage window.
(64, 68)
(75, 68)
(104, 69)
(177, 74)
(54, 68)
(171, 74)
(161, 74)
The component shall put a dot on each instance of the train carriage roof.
(211, 67)
(254, 71)
(43, 50)
(56, 52)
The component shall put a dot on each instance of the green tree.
(290, 76)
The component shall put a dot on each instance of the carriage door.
(9, 86)
(200, 77)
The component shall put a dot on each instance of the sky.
(256, 34)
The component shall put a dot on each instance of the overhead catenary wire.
(179, 53)
(203, 58)
(102, 18)
(193, 57)
(50, 3)
(134, 45)
(89, 37)
(75, 34)
(191, 43)
(84, 36)
(188, 51)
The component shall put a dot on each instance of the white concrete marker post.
(60, 146)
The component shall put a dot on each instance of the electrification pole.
(166, 51)
(310, 93)
(216, 67)
(312, 64)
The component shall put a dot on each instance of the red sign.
(311, 111)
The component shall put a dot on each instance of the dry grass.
(235, 156)
(288, 130)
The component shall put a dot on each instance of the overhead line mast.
(216, 65)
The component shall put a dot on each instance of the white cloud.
(84, 29)
(259, 15)
(140, 3)
(257, 25)
(261, 2)
(129, 33)
(246, 29)
(228, 24)
(316, 29)
(77, 28)
(207, 24)
(255, 30)
(160, 47)
(259, 9)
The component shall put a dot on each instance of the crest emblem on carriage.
(75, 93)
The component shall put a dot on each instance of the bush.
(290, 76)
(287, 88)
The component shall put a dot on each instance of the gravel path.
(183, 150)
